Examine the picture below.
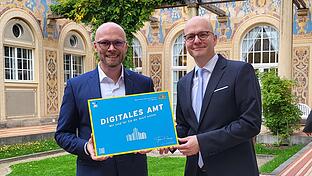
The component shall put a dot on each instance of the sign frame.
(132, 123)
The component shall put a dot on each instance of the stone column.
(192, 11)
(2, 90)
(2, 81)
(286, 40)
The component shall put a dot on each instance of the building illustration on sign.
(136, 135)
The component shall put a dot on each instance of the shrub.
(281, 115)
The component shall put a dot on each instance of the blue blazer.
(74, 130)
(230, 117)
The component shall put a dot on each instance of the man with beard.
(109, 79)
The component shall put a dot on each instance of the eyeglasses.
(105, 44)
(202, 35)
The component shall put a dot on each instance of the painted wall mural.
(236, 11)
(302, 25)
(39, 8)
(165, 19)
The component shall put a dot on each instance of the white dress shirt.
(206, 76)
(108, 87)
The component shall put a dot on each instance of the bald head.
(196, 21)
(200, 40)
(111, 46)
(109, 27)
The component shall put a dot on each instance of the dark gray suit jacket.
(308, 124)
(230, 117)
(73, 129)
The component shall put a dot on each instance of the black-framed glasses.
(202, 35)
(105, 44)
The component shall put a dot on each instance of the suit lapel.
(215, 77)
(94, 85)
(128, 83)
(189, 85)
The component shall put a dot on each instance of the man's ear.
(126, 46)
(215, 40)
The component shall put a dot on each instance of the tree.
(130, 14)
(281, 115)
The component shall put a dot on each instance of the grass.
(166, 166)
(8, 151)
(281, 154)
(157, 166)
(65, 166)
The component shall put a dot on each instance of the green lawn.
(166, 166)
(57, 166)
(161, 166)
(65, 166)
(281, 154)
(8, 151)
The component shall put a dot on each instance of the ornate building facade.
(250, 32)
(39, 53)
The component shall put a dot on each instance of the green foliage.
(130, 14)
(8, 151)
(281, 115)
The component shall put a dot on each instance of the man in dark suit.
(218, 109)
(308, 125)
(110, 78)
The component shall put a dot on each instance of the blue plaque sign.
(132, 123)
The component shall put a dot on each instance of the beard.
(112, 59)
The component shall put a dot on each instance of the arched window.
(179, 60)
(137, 55)
(18, 51)
(73, 66)
(260, 48)
(74, 52)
